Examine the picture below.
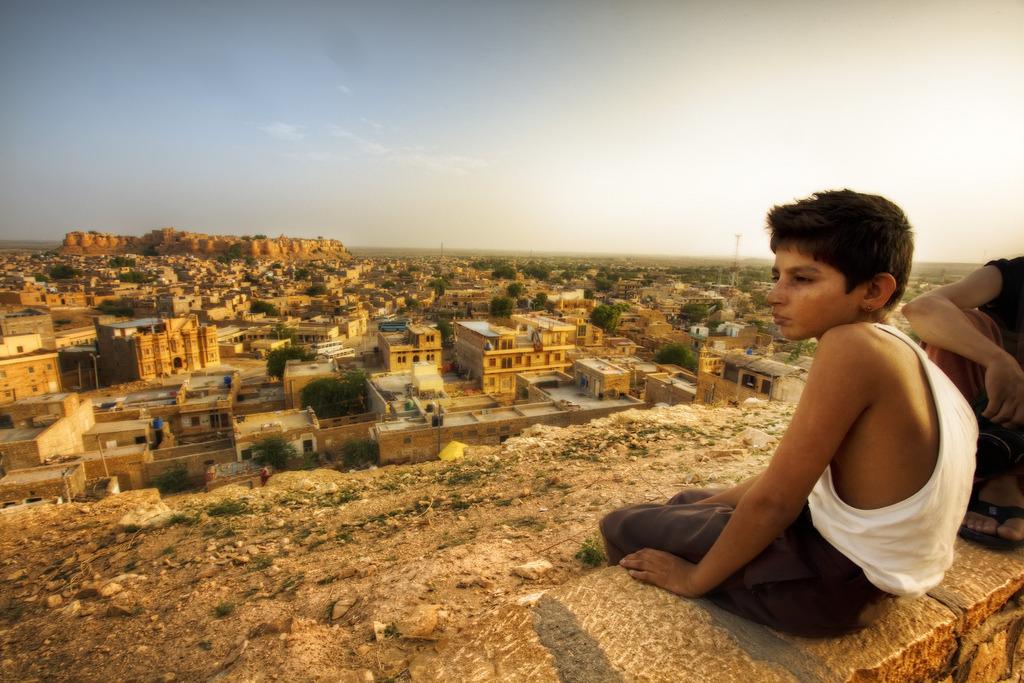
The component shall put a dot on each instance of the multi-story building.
(26, 369)
(148, 348)
(28, 321)
(418, 343)
(495, 354)
(742, 376)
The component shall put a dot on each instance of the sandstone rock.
(341, 607)
(115, 609)
(755, 438)
(379, 631)
(147, 516)
(533, 570)
(88, 590)
(206, 571)
(72, 608)
(281, 625)
(53, 601)
(420, 623)
(110, 590)
(17, 575)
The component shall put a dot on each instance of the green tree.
(259, 237)
(502, 307)
(388, 284)
(40, 277)
(606, 317)
(64, 272)
(515, 289)
(504, 272)
(302, 274)
(266, 307)
(676, 353)
(275, 451)
(440, 285)
(121, 262)
(282, 331)
(588, 294)
(134, 276)
(804, 347)
(235, 251)
(316, 290)
(334, 396)
(602, 284)
(540, 302)
(695, 313)
(277, 358)
(446, 329)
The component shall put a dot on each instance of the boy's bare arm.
(774, 499)
(938, 319)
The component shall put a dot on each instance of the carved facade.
(144, 349)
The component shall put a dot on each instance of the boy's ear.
(878, 291)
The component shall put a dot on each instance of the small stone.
(17, 575)
(110, 590)
(533, 570)
(53, 601)
(116, 610)
(379, 629)
(341, 607)
(282, 625)
(206, 571)
(420, 623)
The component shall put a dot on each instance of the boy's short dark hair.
(861, 235)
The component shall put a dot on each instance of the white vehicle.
(332, 349)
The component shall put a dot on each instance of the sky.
(619, 127)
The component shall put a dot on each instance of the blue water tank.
(158, 423)
(227, 380)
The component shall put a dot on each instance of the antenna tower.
(735, 261)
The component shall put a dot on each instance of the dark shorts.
(799, 584)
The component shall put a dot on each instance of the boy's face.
(809, 297)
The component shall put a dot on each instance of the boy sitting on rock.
(864, 494)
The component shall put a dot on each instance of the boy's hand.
(662, 569)
(1004, 383)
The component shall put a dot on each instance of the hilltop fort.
(167, 241)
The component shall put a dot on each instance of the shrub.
(224, 608)
(591, 552)
(275, 451)
(173, 479)
(359, 452)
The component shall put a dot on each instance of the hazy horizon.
(653, 126)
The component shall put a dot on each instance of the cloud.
(345, 89)
(412, 156)
(282, 131)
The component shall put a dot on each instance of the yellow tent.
(453, 451)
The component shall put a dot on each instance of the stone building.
(418, 343)
(148, 348)
(300, 428)
(28, 321)
(25, 369)
(744, 376)
(495, 354)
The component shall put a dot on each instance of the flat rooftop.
(20, 434)
(37, 474)
(308, 369)
(270, 422)
(598, 365)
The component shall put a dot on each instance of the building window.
(31, 371)
(749, 381)
(246, 454)
(307, 446)
(766, 386)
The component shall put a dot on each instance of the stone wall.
(169, 241)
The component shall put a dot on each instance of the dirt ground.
(336, 576)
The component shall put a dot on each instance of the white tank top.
(905, 548)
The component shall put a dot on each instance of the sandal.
(1000, 513)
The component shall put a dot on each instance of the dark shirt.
(1007, 309)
